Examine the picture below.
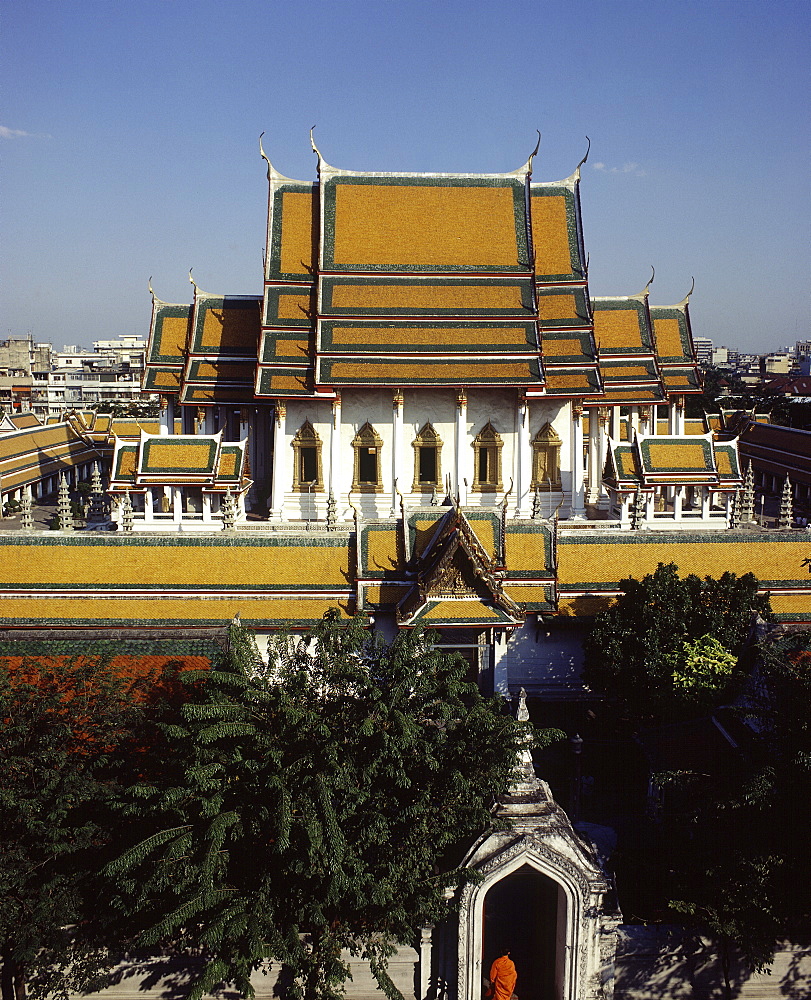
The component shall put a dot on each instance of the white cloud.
(12, 133)
(627, 168)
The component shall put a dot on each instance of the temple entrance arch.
(521, 915)
(537, 897)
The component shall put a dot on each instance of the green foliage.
(701, 672)
(66, 724)
(636, 645)
(313, 805)
(737, 855)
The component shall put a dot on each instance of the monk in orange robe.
(503, 978)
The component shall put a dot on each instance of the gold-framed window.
(367, 475)
(427, 447)
(546, 459)
(487, 447)
(307, 470)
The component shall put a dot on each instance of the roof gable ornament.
(534, 152)
(456, 565)
(686, 299)
(646, 290)
(576, 174)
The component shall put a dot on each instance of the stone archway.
(521, 913)
(540, 864)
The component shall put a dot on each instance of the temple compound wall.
(423, 415)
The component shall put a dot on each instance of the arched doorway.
(522, 914)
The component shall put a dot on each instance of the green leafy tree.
(744, 868)
(66, 727)
(313, 806)
(636, 646)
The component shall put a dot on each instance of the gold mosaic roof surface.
(165, 567)
(166, 456)
(400, 227)
(170, 338)
(677, 455)
(557, 307)
(427, 295)
(299, 243)
(618, 330)
(193, 609)
(506, 335)
(610, 561)
(668, 337)
(230, 329)
(550, 235)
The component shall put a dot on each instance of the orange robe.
(503, 978)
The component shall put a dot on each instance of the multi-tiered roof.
(406, 280)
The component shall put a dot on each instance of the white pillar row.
(334, 446)
(461, 446)
(578, 507)
(280, 461)
(524, 459)
(397, 480)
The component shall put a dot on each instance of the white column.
(397, 480)
(524, 459)
(461, 447)
(165, 404)
(425, 961)
(578, 507)
(149, 507)
(594, 434)
(206, 508)
(281, 448)
(603, 417)
(679, 407)
(334, 446)
(706, 496)
(177, 504)
(647, 417)
(633, 422)
(677, 502)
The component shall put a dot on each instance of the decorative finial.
(191, 279)
(646, 290)
(149, 286)
(534, 152)
(316, 150)
(582, 162)
(262, 152)
(686, 298)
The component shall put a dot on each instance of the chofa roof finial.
(582, 162)
(191, 279)
(534, 152)
(646, 290)
(686, 298)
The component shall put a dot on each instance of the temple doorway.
(524, 913)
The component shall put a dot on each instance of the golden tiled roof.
(551, 233)
(406, 226)
(424, 295)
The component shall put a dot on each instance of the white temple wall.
(545, 660)
(500, 408)
(302, 505)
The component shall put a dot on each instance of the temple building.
(423, 415)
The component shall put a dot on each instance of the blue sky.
(129, 141)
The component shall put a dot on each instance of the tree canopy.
(313, 805)
(645, 651)
(67, 730)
